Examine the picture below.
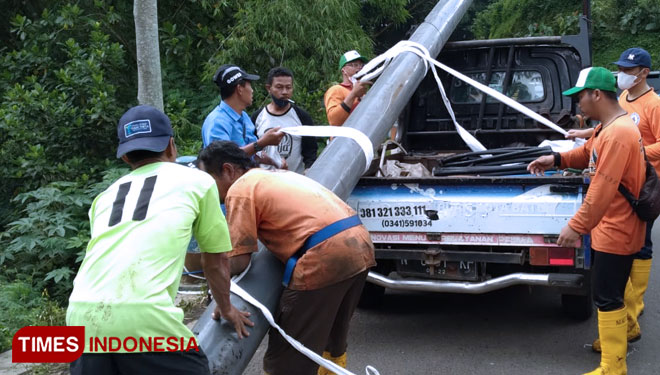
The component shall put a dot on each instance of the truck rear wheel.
(578, 307)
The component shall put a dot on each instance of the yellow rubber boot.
(612, 326)
(639, 278)
(339, 361)
(634, 333)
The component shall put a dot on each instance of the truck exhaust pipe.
(444, 286)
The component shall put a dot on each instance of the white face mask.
(353, 80)
(625, 81)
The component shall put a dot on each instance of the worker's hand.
(360, 88)
(239, 319)
(265, 159)
(568, 237)
(271, 137)
(541, 164)
(579, 133)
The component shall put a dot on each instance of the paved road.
(506, 332)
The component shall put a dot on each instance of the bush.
(40, 252)
(61, 75)
(60, 99)
(22, 304)
(617, 24)
(47, 242)
(511, 18)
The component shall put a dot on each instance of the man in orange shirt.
(613, 155)
(340, 100)
(643, 106)
(326, 250)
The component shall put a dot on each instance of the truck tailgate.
(478, 205)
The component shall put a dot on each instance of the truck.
(456, 233)
(474, 230)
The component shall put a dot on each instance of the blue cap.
(633, 57)
(143, 128)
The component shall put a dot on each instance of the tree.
(516, 18)
(64, 85)
(150, 87)
(616, 24)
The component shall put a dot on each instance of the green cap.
(351, 56)
(593, 78)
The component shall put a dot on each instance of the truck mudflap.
(564, 280)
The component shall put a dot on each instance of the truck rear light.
(551, 256)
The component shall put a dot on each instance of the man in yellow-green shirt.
(140, 228)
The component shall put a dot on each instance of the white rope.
(376, 66)
(296, 344)
(336, 131)
(238, 277)
(369, 370)
(503, 98)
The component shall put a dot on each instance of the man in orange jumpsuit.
(327, 252)
(614, 155)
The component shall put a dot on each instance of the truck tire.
(579, 307)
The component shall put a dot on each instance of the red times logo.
(53, 344)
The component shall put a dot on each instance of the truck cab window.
(526, 87)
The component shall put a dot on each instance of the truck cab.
(467, 230)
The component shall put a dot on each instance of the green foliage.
(60, 99)
(379, 14)
(616, 16)
(511, 18)
(621, 24)
(617, 24)
(49, 239)
(259, 35)
(40, 252)
(22, 304)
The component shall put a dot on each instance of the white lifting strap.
(295, 343)
(376, 66)
(336, 131)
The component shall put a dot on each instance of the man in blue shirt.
(228, 121)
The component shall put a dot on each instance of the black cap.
(143, 128)
(229, 75)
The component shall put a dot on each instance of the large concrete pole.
(338, 168)
(341, 164)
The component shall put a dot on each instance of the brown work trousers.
(318, 318)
